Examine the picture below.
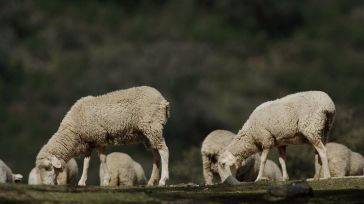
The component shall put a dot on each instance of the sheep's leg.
(320, 148)
(114, 180)
(154, 177)
(86, 164)
(164, 154)
(103, 165)
(318, 166)
(207, 173)
(263, 160)
(282, 161)
(153, 133)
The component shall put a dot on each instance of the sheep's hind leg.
(160, 153)
(263, 160)
(320, 148)
(154, 177)
(282, 161)
(164, 154)
(318, 167)
(86, 164)
(103, 165)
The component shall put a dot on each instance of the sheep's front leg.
(263, 160)
(154, 177)
(282, 161)
(164, 154)
(320, 148)
(86, 164)
(207, 173)
(103, 165)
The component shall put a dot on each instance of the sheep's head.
(48, 169)
(227, 165)
(17, 178)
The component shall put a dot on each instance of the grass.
(345, 190)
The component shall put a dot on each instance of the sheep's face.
(227, 165)
(48, 169)
(17, 178)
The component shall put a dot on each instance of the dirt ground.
(344, 190)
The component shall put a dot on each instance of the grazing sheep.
(342, 161)
(356, 164)
(7, 176)
(213, 146)
(129, 116)
(300, 118)
(249, 169)
(123, 170)
(67, 176)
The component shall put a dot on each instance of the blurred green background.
(215, 61)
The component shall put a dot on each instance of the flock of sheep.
(138, 115)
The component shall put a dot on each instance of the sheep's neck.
(63, 144)
(243, 147)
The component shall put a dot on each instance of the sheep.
(7, 176)
(67, 176)
(249, 169)
(356, 164)
(300, 118)
(212, 147)
(342, 161)
(129, 116)
(123, 170)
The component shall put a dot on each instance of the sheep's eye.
(48, 168)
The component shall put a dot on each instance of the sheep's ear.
(55, 162)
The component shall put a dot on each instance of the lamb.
(67, 176)
(342, 161)
(7, 176)
(129, 116)
(213, 146)
(249, 169)
(300, 118)
(123, 170)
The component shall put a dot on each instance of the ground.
(348, 190)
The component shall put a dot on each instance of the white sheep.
(300, 118)
(249, 169)
(123, 170)
(129, 116)
(67, 176)
(7, 176)
(213, 146)
(342, 161)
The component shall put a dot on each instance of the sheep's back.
(117, 113)
(216, 141)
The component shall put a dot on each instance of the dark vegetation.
(215, 61)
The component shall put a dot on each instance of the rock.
(294, 189)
